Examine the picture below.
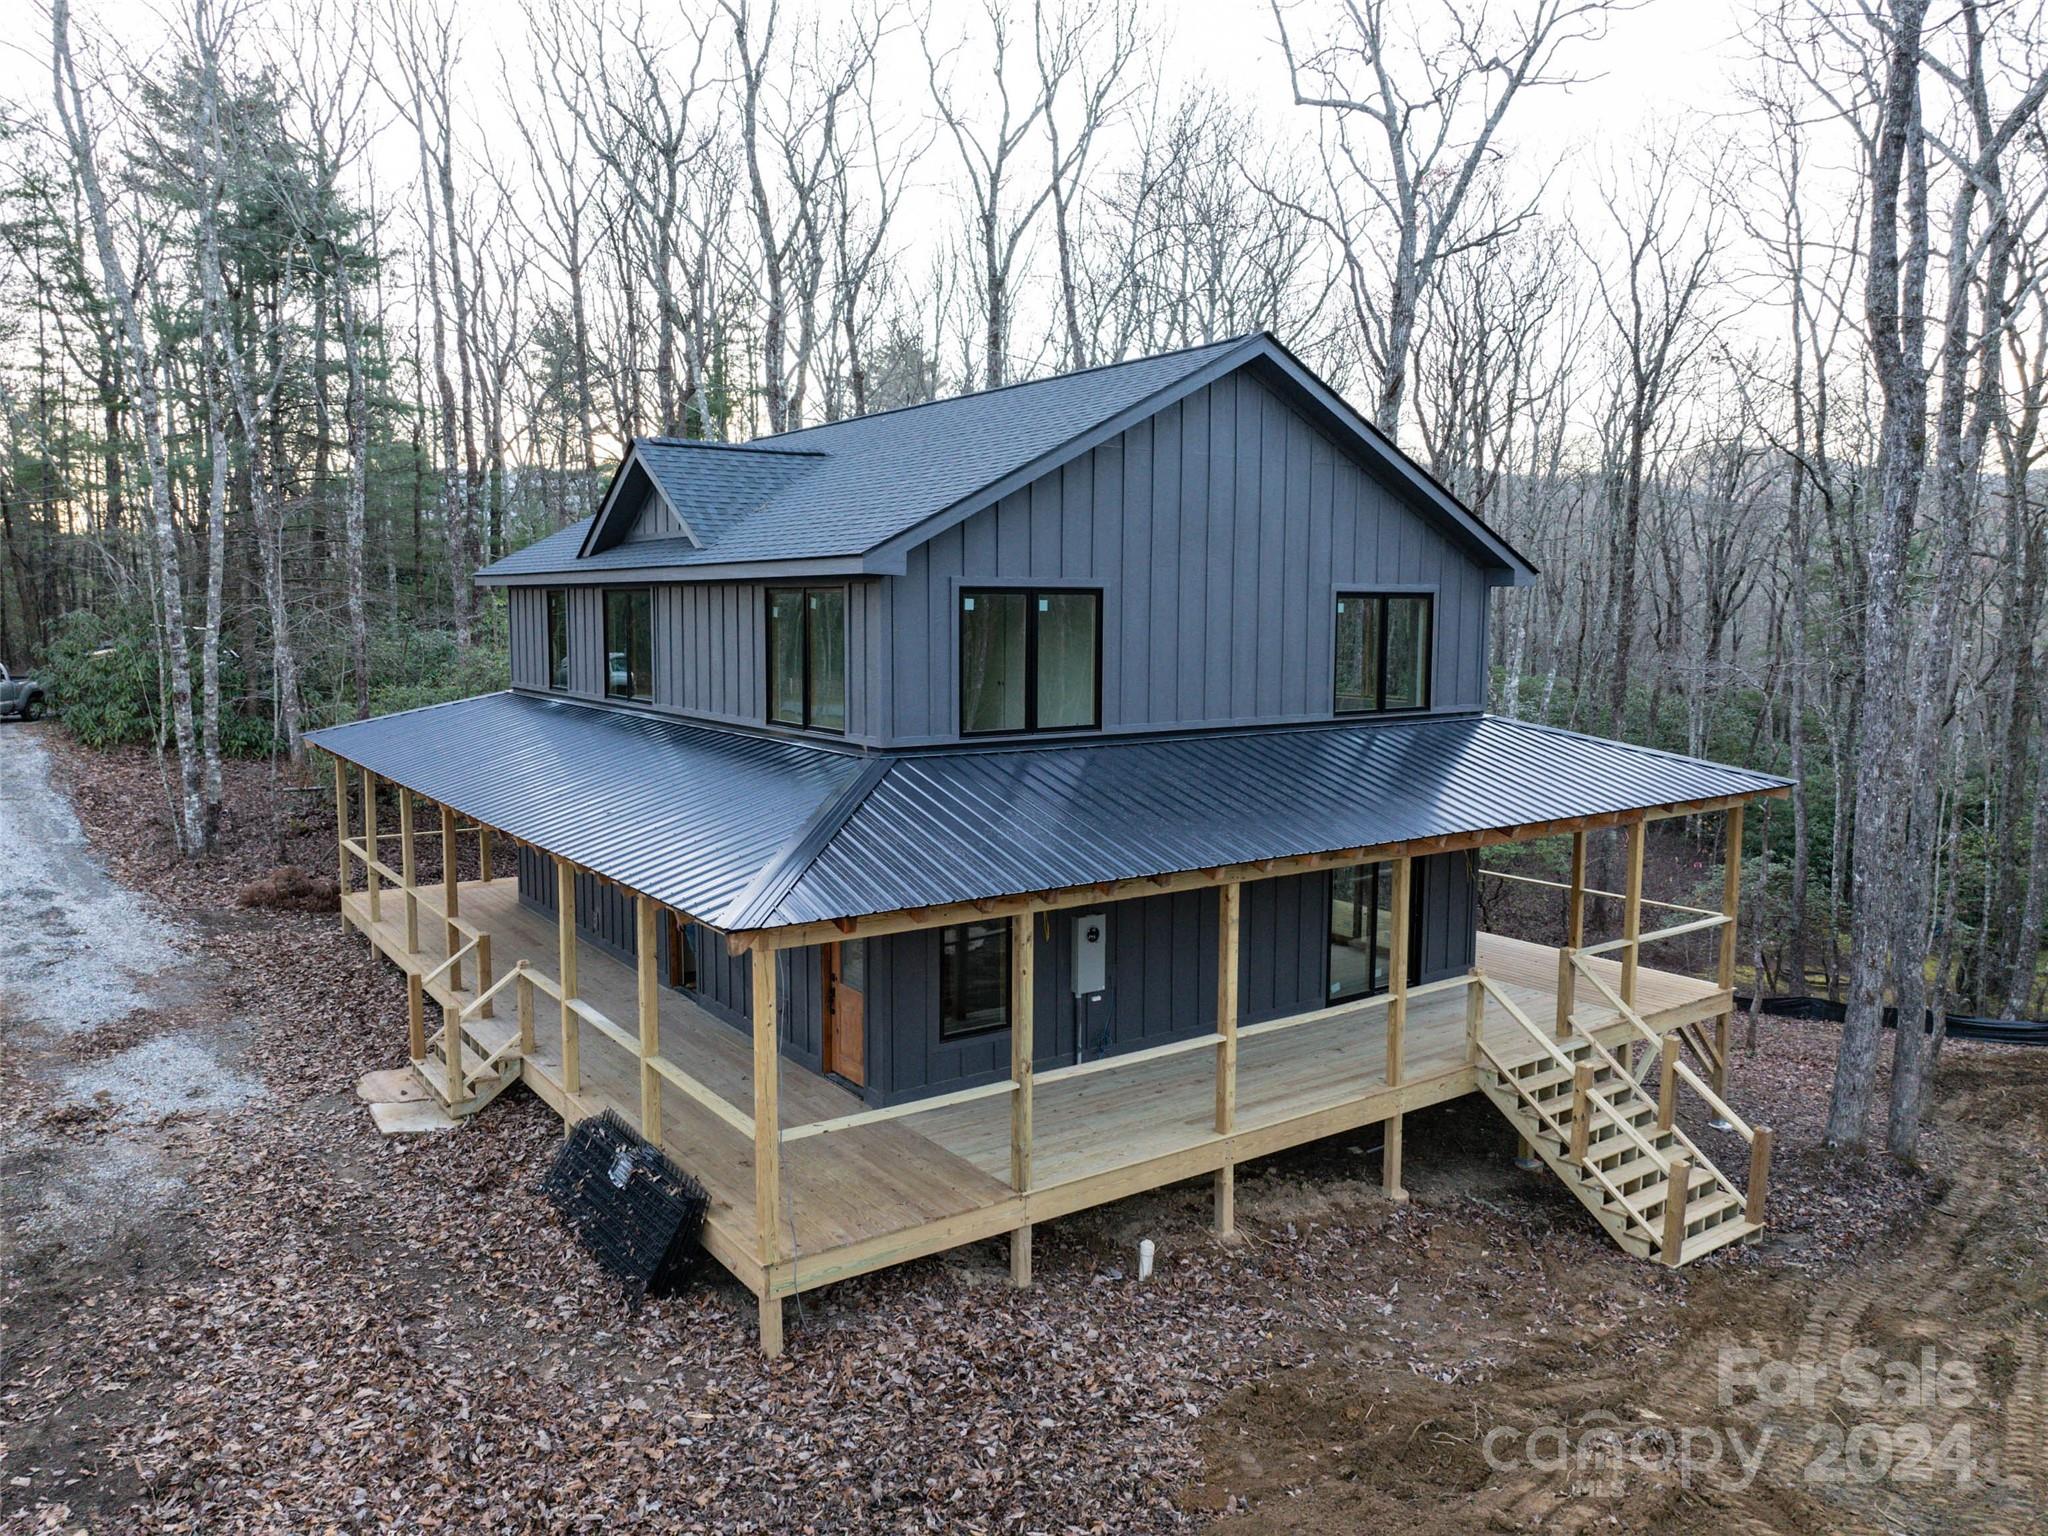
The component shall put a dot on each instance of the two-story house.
(932, 823)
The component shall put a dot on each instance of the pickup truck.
(20, 696)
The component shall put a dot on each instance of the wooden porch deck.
(870, 1195)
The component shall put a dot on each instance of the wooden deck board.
(879, 1194)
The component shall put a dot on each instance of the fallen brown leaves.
(399, 1336)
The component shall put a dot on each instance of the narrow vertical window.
(974, 979)
(825, 661)
(558, 639)
(807, 657)
(1381, 652)
(1030, 660)
(629, 644)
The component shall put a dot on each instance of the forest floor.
(229, 1305)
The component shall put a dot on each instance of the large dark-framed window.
(1362, 929)
(1030, 659)
(974, 979)
(557, 604)
(807, 657)
(629, 644)
(1383, 649)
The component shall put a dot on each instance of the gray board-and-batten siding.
(1219, 529)
(1161, 972)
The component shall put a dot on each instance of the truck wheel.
(33, 708)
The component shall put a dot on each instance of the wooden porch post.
(1023, 997)
(644, 915)
(565, 952)
(407, 867)
(1397, 1023)
(1574, 939)
(370, 845)
(1724, 975)
(1575, 910)
(451, 894)
(483, 851)
(1230, 928)
(341, 835)
(767, 1143)
(1632, 912)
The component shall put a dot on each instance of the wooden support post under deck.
(767, 1140)
(1632, 911)
(1023, 994)
(408, 868)
(341, 832)
(1230, 928)
(1676, 1193)
(1575, 906)
(565, 951)
(645, 914)
(370, 845)
(451, 894)
(1567, 992)
(1731, 905)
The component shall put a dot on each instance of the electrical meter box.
(1091, 954)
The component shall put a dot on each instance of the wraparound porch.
(856, 1189)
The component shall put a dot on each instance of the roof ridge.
(1050, 378)
(779, 875)
(756, 445)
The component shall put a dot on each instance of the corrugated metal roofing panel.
(747, 831)
(688, 814)
(967, 825)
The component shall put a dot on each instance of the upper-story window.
(629, 644)
(807, 657)
(558, 639)
(1030, 660)
(1383, 644)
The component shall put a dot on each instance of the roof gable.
(868, 489)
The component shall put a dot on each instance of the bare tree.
(999, 217)
(194, 826)
(1412, 125)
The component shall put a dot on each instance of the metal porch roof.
(746, 832)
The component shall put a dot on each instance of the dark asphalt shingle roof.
(845, 487)
(746, 832)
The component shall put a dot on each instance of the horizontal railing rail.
(1561, 885)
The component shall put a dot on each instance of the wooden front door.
(846, 982)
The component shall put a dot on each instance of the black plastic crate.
(638, 1214)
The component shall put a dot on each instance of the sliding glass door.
(1362, 927)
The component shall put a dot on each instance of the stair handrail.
(455, 959)
(1620, 1121)
(1658, 1043)
(470, 1008)
(1506, 1075)
(1757, 1138)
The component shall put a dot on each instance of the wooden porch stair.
(1616, 1147)
(490, 1065)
